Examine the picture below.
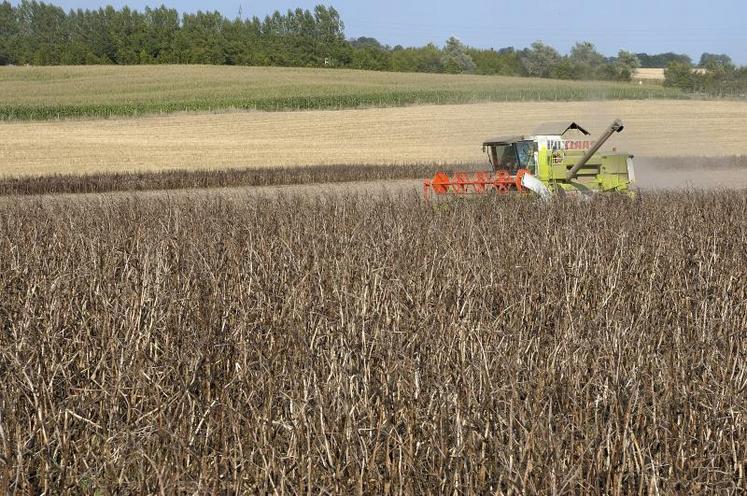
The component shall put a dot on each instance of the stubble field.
(445, 134)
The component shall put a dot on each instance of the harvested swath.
(373, 346)
(192, 179)
(40, 93)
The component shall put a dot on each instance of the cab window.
(504, 157)
(525, 151)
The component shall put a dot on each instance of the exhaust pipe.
(615, 127)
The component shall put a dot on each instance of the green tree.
(237, 42)
(8, 34)
(584, 61)
(540, 60)
(504, 61)
(160, 28)
(680, 75)
(368, 53)
(566, 69)
(200, 40)
(370, 58)
(77, 49)
(41, 33)
(622, 67)
(330, 31)
(714, 61)
(455, 59)
(662, 59)
(128, 34)
(366, 42)
(425, 59)
(94, 29)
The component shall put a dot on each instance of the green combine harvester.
(547, 163)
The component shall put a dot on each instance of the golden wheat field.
(446, 134)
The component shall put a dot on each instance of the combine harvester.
(546, 163)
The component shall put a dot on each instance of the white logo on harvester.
(556, 145)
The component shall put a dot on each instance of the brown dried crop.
(201, 179)
(678, 173)
(350, 344)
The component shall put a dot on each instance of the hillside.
(38, 93)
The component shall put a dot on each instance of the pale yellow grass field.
(446, 134)
(646, 74)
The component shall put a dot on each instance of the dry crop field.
(373, 345)
(257, 339)
(424, 134)
(104, 91)
(652, 173)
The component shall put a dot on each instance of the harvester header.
(546, 163)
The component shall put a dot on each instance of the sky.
(651, 26)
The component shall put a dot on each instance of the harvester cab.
(556, 158)
(511, 154)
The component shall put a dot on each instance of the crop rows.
(373, 345)
(79, 92)
(297, 103)
(338, 102)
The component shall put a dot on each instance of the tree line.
(716, 75)
(42, 34)
(38, 33)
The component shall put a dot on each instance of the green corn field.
(39, 93)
